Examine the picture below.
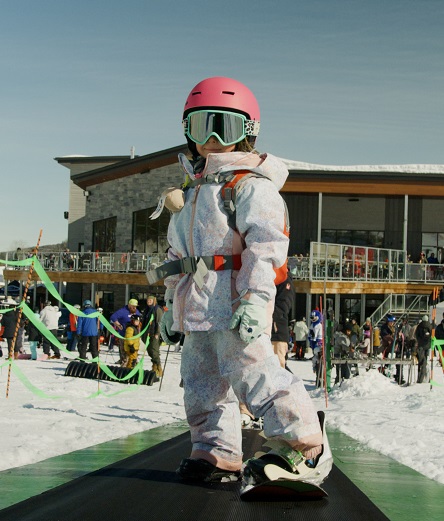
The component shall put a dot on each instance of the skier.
(300, 335)
(221, 288)
(152, 335)
(315, 336)
(423, 336)
(87, 332)
(342, 347)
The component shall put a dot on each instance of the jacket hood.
(266, 165)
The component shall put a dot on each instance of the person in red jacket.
(72, 332)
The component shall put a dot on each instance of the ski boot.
(201, 470)
(284, 462)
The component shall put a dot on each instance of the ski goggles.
(228, 127)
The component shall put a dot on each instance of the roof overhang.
(414, 180)
(138, 165)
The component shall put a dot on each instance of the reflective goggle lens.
(228, 127)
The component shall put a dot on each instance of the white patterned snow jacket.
(201, 228)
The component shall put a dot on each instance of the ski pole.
(324, 366)
(98, 364)
(435, 298)
(164, 366)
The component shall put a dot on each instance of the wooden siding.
(418, 187)
(301, 286)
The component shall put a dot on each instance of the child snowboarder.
(131, 345)
(224, 249)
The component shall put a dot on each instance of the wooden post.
(19, 318)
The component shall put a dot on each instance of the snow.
(405, 423)
(400, 169)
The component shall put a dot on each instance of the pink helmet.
(222, 93)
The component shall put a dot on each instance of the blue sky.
(338, 82)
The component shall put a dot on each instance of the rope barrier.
(19, 315)
(24, 309)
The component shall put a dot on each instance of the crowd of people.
(397, 340)
(85, 333)
(404, 339)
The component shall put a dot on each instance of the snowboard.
(281, 486)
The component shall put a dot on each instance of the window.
(353, 237)
(104, 234)
(150, 236)
(433, 243)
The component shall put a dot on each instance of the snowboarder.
(220, 292)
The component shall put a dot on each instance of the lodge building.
(374, 216)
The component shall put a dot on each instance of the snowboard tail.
(281, 486)
(283, 490)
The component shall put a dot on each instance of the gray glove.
(251, 317)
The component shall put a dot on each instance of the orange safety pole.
(19, 318)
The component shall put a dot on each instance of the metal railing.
(342, 262)
(397, 304)
(326, 262)
(111, 262)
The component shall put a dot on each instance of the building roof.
(79, 159)
(300, 167)
(123, 166)
(126, 167)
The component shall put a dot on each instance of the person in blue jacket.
(87, 332)
(120, 319)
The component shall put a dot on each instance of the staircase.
(412, 306)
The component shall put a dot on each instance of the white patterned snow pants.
(218, 371)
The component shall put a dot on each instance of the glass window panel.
(104, 234)
(149, 236)
(376, 239)
(359, 238)
(344, 237)
(328, 236)
(429, 239)
(163, 244)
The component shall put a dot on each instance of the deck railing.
(342, 262)
(325, 262)
(125, 262)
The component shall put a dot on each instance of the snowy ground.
(405, 423)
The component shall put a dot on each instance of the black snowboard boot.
(202, 470)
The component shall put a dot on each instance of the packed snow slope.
(47, 414)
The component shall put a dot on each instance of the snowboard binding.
(283, 462)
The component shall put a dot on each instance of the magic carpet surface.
(144, 487)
